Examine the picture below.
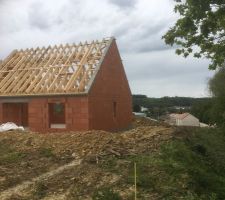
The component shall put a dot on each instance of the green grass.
(109, 164)
(106, 193)
(46, 152)
(191, 167)
(40, 190)
(9, 155)
(13, 157)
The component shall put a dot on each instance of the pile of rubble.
(145, 121)
(143, 136)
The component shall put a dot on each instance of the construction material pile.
(145, 121)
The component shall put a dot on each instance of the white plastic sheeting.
(10, 126)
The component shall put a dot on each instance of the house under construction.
(66, 87)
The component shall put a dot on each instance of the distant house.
(143, 109)
(185, 119)
(139, 114)
(181, 107)
(203, 125)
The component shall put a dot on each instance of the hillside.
(171, 164)
(199, 107)
(151, 102)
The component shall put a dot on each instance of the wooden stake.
(135, 181)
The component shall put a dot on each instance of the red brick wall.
(110, 85)
(14, 112)
(38, 114)
(1, 113)
(76, 113)
(24, 114)
(11, 113)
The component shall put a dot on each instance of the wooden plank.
(28, 72)
(91, 63)
(63, 68)
(62, 82)
(7, 79)
(12, 62)
(23, 73)
(85, 77)
(48, 72)
(80, 48)
(8, 59)
(79, 70)
(13, 86)
(38, 77)
(34, 70)
(56, 67)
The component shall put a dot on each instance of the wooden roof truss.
(59, 69)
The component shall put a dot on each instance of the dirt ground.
(73, 165)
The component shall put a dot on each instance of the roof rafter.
(63, 69)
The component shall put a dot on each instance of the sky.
(152, 67)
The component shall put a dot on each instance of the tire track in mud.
(19, 189)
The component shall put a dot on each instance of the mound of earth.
(73, 165)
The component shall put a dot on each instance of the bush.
(189, 167)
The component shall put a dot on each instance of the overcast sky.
(152, 67)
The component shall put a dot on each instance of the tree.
(136, 108)
(217, 88)
(200, 30)
(202, 110)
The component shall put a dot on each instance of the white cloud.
(138, 25)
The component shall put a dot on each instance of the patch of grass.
(4, 148)
(106, 193)
(9, 155)
(145, 177)
(109, 164)
(192, 167)
(12, 157)
(40, 190)
(46, 152)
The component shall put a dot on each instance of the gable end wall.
(110, 85)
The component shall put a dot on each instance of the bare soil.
(73, 165)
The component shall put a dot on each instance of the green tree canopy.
(217, 87)
(199, 30)
(217, 84)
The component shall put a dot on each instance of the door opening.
(57, 115)
(16, 113)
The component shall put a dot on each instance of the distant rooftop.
(179, 116)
